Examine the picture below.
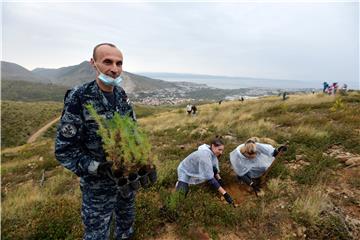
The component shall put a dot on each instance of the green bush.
(148, 218)
(330, 226)
(317, 171)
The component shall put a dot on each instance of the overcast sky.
(314, 41)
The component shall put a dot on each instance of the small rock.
(229, 137)
(41, 159)
(342, 158)
(352, 161)
(299, 157)
(300, 231)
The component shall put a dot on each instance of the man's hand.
(228, 198)
(104, 168)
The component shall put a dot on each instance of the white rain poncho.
(256, 166)
(198, 166)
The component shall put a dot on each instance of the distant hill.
(84, 72)
(14, 72)
(180, 87)
(51, 84)
(68, 76)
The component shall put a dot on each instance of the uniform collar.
(102, 98)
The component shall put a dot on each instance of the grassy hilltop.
(21, 119)
(312, 193)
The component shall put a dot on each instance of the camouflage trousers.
(101, 201)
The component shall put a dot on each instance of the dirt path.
(33, 137)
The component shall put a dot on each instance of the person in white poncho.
(252, 159)
(202, 166)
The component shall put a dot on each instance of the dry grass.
(308, 206)
(275, 185)
(18, 198)
(229, 114)
(311, 132)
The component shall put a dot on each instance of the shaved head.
(99, 45)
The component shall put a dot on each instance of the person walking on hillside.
(193, 110)
(284, 96)
(344, 88)
(251, 160)
(203, 166)
(79, 148)
(325, 86)
(189, 109)
(335, 86)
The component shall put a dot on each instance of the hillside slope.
(19, 120)
(31, 92)
(14, 72)
(313, 192)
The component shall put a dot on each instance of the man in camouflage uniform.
(79, 148)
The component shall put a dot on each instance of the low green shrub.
(317, 170)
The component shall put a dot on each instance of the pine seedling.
(123, 141)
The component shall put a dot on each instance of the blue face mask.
(109, 81)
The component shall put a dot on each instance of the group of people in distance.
(250, 161)
(332, 89)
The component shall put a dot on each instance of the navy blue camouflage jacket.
(77, 144)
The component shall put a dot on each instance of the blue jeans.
(182, 186)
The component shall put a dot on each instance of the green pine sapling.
(123, 141)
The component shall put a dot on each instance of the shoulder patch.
(68, 130)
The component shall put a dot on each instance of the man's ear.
(92, 63)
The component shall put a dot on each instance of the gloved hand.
(282, 148)
(255, 187)
(228, 198)
(221, 182)
(104, 168)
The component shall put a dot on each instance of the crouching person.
(203, 166)
(252, 160)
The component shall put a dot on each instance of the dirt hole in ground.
(239, 192)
